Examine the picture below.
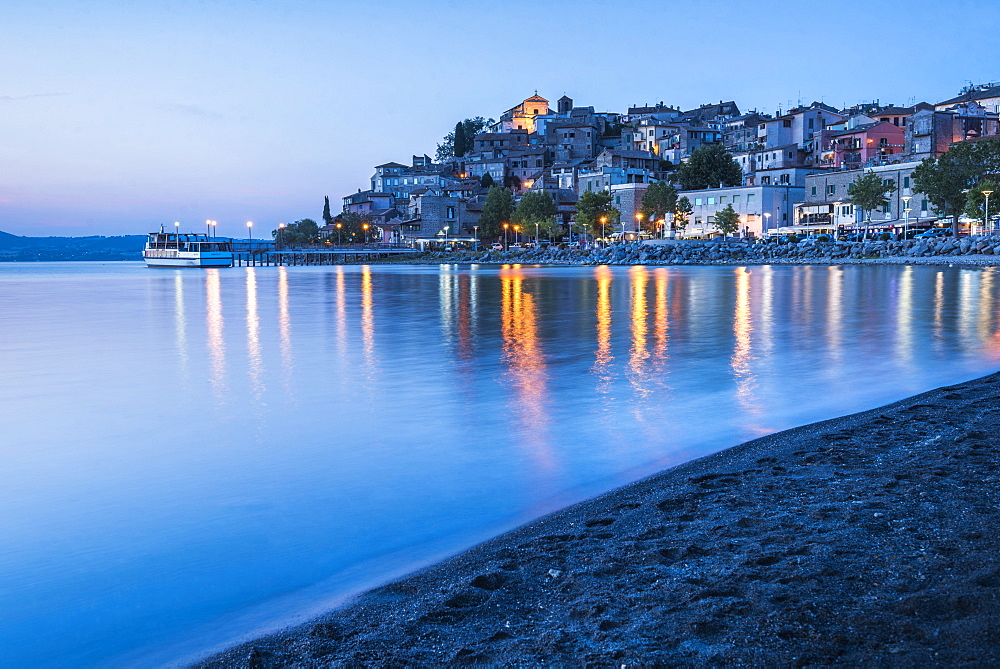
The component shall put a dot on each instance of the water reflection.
(661, 321)
(638, 374)
(285, 329)
(603, 356)
(525, 362)
(746, 381)
(255, 363)
(341, 317)
(216, 342)
(834, 311)
(904, 317)
(368, 322)
(180, 324)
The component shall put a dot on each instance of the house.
(366, 202)
(522, 116)
(929, 133)
(986, 96)
(866, 145)
(614, 167)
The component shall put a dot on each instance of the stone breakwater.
(965, 250)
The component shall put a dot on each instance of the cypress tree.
(327, 218)
(461, 143)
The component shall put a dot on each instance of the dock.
(264, 253)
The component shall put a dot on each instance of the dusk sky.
(116, 117)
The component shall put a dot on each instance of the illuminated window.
(751, 197)
(711, 200)
(697, 201)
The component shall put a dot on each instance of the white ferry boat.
(173, 249)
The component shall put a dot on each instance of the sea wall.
(738, 252)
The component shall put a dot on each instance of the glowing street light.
(339, 243)
(604, 237)
(250, 230)
(364, 239)
(177, 233)
(505, 227)
(767, 222)
(517, 234)
(986, 219)
(281, 227)
(906, 213)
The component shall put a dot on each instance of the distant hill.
(14, 248)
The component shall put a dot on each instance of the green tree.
(497, 210)
(658, 200)
(448, 148)
(975, 201)
(486, 181)
(298, 233)
(537, 206)
(592, 207)
(461, 142)
(946, 179)
(869, 192)
(327, 218)
(709, 167)
(682, 213)
(727, 221)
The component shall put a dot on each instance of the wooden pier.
(264, 254)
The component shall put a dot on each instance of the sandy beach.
(867, 540)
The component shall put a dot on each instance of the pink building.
(866, 145)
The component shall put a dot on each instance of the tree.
(946, 179)
(486, 181)
(869, 192)
(658, 200)
(682, 213)
(592, 207)
(536, 206)
(975, 201)
(497, 210)
(301, 232)
(727, 221)
(327, 218)
(708, 167)
(512, 182)
(457, 143)
(461, 142)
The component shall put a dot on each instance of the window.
(923, 205)
(451, 212)
(723, 199)
(697, 201)
(736, 198)
(711, 200)
(812, 191)
(906, 182)
(787, 123)
(751, 197)
(831, 189)
(812, 123)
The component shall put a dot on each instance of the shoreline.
(865, 539)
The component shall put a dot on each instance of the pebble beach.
(866, 540)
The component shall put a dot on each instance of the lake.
(192, 456)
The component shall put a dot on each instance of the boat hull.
(191, 260)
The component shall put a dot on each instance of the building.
(986, 95)
(826, 203)
(865, 145)
(522, 116)
(762, 209)
(929, 133)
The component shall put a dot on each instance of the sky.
(116, 117)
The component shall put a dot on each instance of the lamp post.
(604, 237)
(638, 227)
(517, 234)
(536, 236)
(906, 213)
(767, 223)
(623, 232)
(208, 227)
(250, 230)
(505, 228)
(364, 234)
(281, 226)
(986, 218)
(339, 241)
(215, 228)
(177, 233)
(475, 234)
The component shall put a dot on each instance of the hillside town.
(795, 170)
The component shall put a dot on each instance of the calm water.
(190, 456)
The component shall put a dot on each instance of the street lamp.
(208, 227)
(505, 227)
(339, 242)
(250, 230)
(364, 238)
(767, 223)
(638, 227)
(604, 237)
(517, 234)
(281, 226)
(906, 213)
(475, 234)
(986, 219)
(537, 243)
(177, 233)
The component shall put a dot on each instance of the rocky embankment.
(970, 250)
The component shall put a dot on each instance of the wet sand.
(867, 540)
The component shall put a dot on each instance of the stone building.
(929, 133)
(762, 209)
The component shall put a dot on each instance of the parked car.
(934, 233)
(497, 246)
